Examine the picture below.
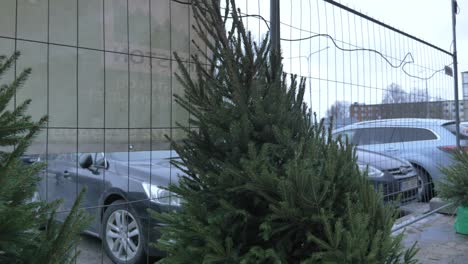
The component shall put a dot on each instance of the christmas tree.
(264, 182)
(28, 232)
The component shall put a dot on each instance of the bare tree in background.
(339, 110)
(395, 95)
(418, 95)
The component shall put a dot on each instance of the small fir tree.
(454, 187)
(23, 238)
(264, 183)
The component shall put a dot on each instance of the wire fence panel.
(103, 71)
(383, 89)
(387, 91)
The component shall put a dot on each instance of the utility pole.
(455, 69)
(275, 25)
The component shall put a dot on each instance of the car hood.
(159, 172)
(379, 161)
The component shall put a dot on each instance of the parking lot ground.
(435, 236)
(91, 251)
(437, 240)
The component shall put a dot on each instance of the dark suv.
(121, 186)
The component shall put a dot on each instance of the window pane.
(116, 25)
(7, 18)
(62, 89)
(63, 21)
(91, 88)
(369, 136)
(415, 134)
(32, 19)
(90, 24)
(116, 90)
(34, 56)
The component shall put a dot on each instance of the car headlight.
(160, 195)
(372, 172)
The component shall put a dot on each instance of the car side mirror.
(86, 161)
(102, 163)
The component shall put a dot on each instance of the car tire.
(425, 187)
(122, 234)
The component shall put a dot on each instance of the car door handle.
(391, 149)
(66, 174)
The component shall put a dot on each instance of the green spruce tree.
(28, 233)
(265, 183)
(454, 186)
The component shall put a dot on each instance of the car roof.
(409, 122)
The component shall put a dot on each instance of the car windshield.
(143, 155)
(451, 126)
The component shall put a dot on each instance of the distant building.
(465, 85)
(341, 122)
(436, 109)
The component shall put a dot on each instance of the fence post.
(275, 25)
(455, 69)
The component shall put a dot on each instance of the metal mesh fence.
(103, 71)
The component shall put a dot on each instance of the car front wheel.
(122, 234)
(425, 189)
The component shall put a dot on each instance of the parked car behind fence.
(121, 186)
(426, 143)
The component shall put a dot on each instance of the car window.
(405, 134)
(463, 129)
(346, 134)
(378, 135)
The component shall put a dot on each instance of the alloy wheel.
(122, 235)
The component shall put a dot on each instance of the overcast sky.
(362, 77)
(428, 19)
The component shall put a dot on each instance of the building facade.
(436, 109)
(102, 70)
